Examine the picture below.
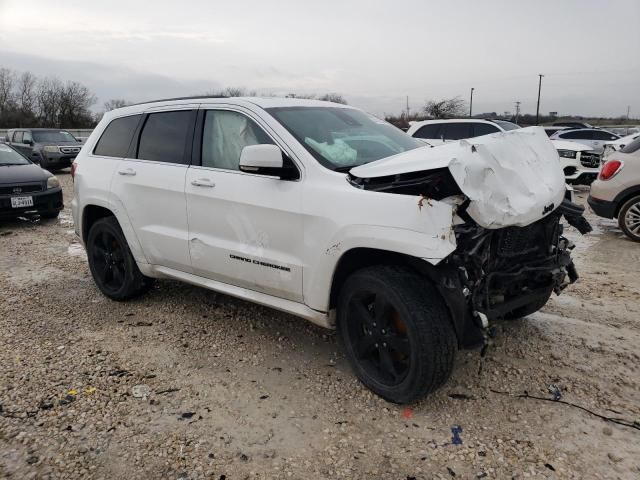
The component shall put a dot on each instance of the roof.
(457, 120)
(263, 102)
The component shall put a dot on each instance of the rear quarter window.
(116, 138)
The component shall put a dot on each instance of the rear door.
(600, 137)
(245, 229)
(584, 136)
(149, 184)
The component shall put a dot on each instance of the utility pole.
(628, 111)
(407, 108)
(517, 110)
(538, 107)
(471, 102)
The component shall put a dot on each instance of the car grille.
(70, 149)
(590, 160)
(20, 189)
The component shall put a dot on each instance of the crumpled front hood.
(511, 178)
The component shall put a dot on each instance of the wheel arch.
(624, 196)
(92, 212)
(439, 275)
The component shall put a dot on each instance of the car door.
(245, 229)
(584, 136)
(149, 184)
(600, 137)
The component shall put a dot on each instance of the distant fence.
(76, 132)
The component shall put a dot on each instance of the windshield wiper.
(9, 164)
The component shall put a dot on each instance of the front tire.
(397, 332)
(629, 218)
(112, 265)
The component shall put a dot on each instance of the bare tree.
(26, 96)
(115, 103)
(48, 99)
(445, 108)
(7, 79)
(333, 97)
(235, 92)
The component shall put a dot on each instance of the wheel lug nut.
(384, 344)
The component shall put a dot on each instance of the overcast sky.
(374, 52)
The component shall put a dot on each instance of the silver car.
(616, 192)
(592, 137)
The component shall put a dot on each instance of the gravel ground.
(186, 383)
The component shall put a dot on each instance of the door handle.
(127, 171)
(203, 182)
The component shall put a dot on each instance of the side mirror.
(268, 160)
(26, 141)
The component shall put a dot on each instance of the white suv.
(330, 214)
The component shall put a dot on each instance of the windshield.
(46, 136)
(341, 138)
(8, 156)
(507, 125)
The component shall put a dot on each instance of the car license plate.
(21, 202)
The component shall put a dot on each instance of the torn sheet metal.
(511, 178)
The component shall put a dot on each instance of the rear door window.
(428, 131)
(600, 135)
(480, 129)
(116, 138)
(457, 131)
(164, 137)
(578, 135)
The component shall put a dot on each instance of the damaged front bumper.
(510, 196)
(504, 271)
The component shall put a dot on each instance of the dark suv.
(52, 148)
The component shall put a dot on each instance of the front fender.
(432, 248)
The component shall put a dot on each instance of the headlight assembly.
(567, 153)
(53, 182)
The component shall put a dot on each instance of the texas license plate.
(21, 202)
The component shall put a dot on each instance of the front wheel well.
(358, 258)
(90, 215)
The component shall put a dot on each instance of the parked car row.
(52, 149)
(580, 158)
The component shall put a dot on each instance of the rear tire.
(112, 265)
(629, 218)
(397, 332)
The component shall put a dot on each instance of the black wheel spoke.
(363, 313)
(365, 346)
(382, 309)
(107, 274)
(118, 274)
(398, 344)
(386, 363)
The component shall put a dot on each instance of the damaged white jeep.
(330, 214)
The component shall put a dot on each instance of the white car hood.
(511, 178)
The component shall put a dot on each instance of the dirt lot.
(231, 390)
